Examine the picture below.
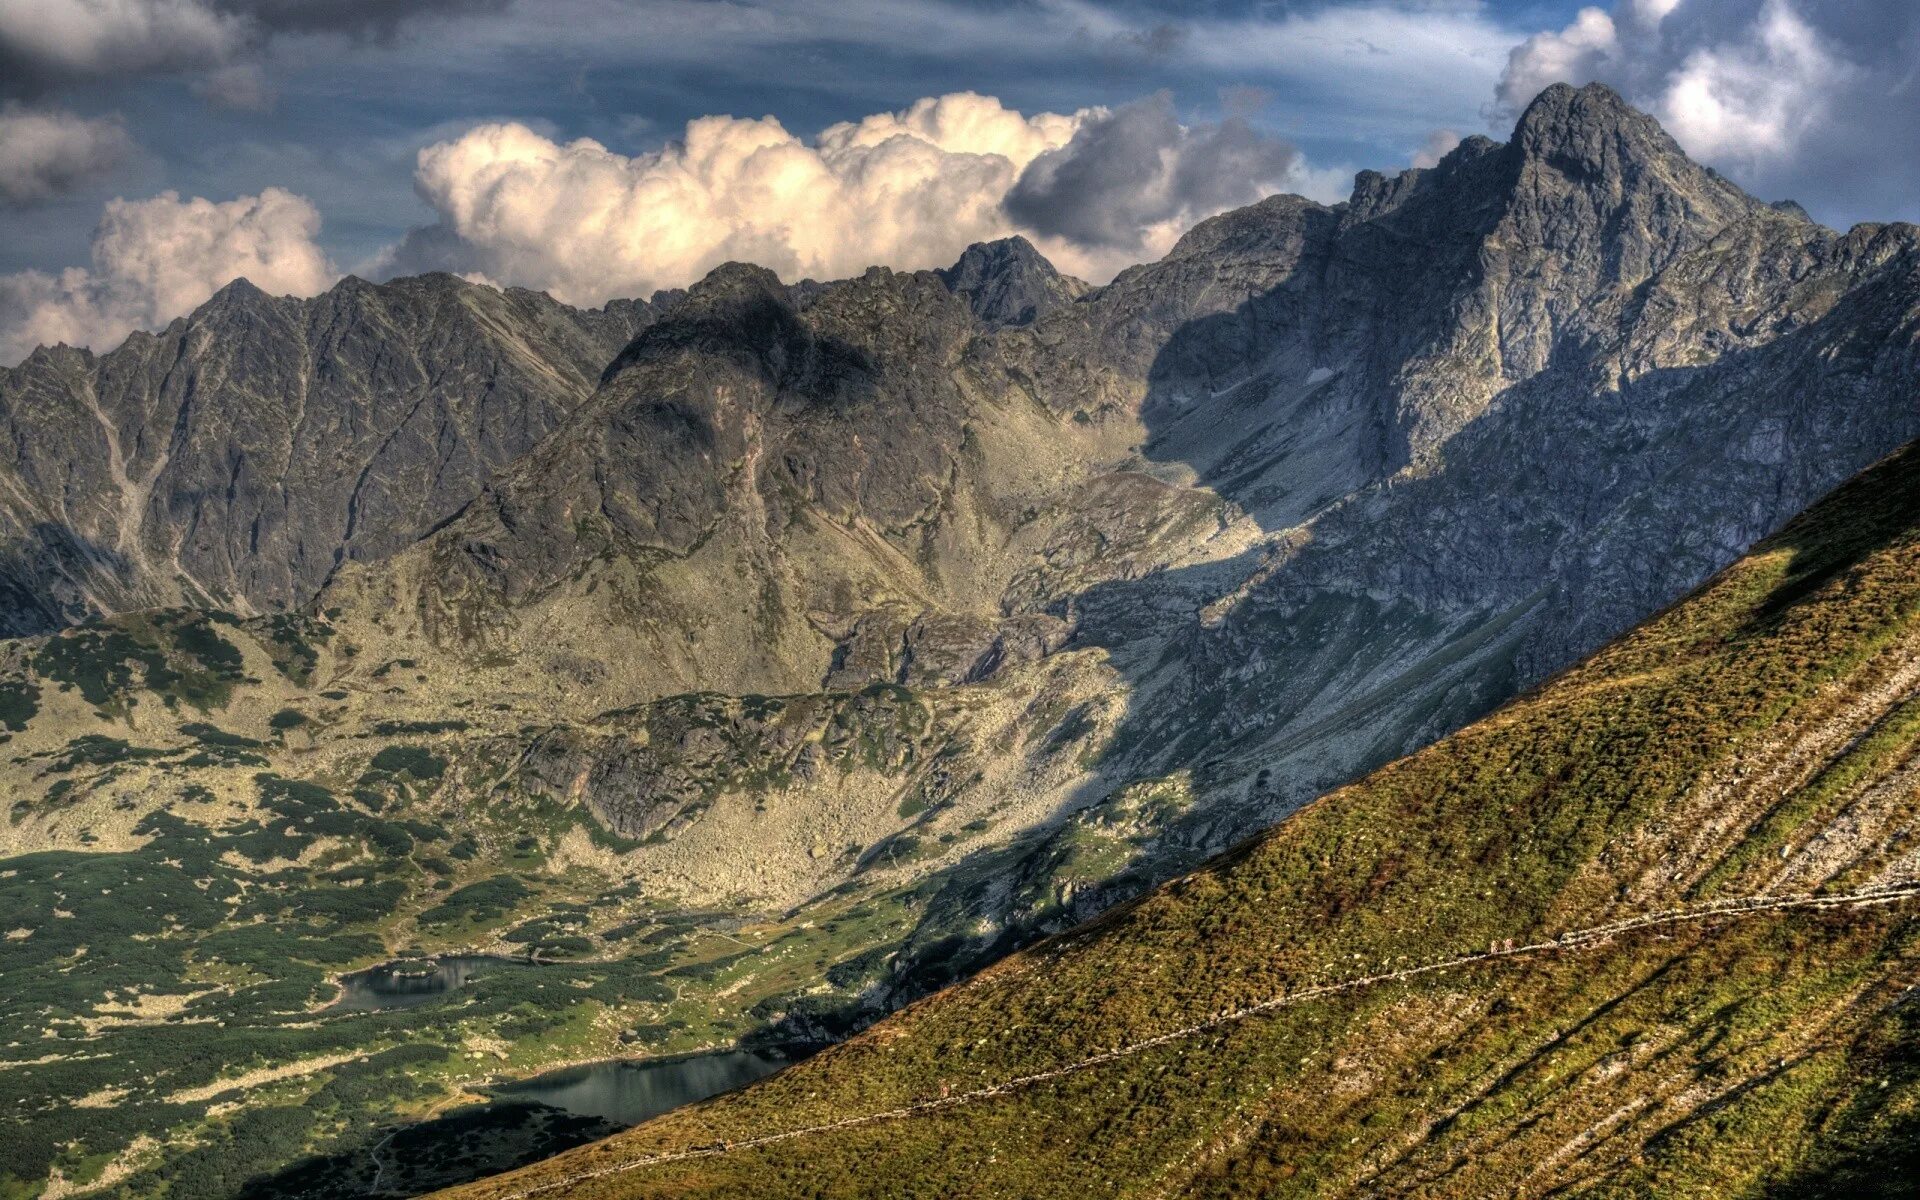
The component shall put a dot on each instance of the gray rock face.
(238, 457)
(1554, 385)
(1291, 352)
(1672, 426)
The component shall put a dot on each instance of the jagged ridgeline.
(766, 655)
(1439, 981)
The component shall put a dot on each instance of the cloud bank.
(1095, 189)
(154, 260)
(586, 224)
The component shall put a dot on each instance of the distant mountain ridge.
(234, 459)
(1483, 415)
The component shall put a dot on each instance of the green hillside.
(1742, 770)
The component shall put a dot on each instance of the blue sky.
(225, 99)
(350, 111)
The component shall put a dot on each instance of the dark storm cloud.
(49, 44)
(1138, 166)
(357, 18)
(45, 152)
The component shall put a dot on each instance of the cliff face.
(1322, 484)
(1484, 416)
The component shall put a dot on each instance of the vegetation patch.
(484, 901)
(415, 761)
(19, 702)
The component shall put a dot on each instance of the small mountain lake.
(627, 1093)
(522, 1121)
(409, 983)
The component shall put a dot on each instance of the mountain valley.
(762, 657)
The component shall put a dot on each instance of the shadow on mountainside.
(1561, 516)
(1567, 512)
(440, 1152)
(48, 550)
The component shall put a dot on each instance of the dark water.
(523, 1122)
(627, 1093)
(406, 984)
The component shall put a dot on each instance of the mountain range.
(878, 626)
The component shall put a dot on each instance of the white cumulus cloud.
(1096, 190)
(157, 259)
(1756, 96)
(1747, 89)
(44, 152)
(909, 189)
(1578, 54)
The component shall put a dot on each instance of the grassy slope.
(1758, 736)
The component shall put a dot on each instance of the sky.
(151, 150)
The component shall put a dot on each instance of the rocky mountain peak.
(239, 290)
(1008, 282)
(737, 308)
(1587, 151)
(239, 299)
(1251, 231)
(1579, 119)
(432, 283)
(732, 280)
